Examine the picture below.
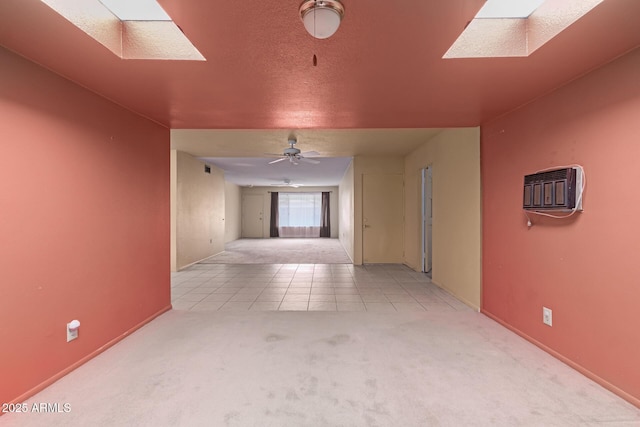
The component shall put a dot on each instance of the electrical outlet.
(547, 316)
(72, 330)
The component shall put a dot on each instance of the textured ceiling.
(380, 86)
(241, 153)
(258, 172)
(382, 69)
(327, 142)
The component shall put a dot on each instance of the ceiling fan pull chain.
(315, 58)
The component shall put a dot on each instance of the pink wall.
(586, 269)
(84, 224)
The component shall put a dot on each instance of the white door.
(252, 216)
(382, 218)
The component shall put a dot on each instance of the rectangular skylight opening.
(138, 10)
(516, 28)
(142, 32)
(497, 9)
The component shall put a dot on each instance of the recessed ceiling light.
(508, 8)
(138, 10)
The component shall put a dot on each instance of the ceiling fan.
(287, 183)
(294, 155)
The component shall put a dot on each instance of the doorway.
(252, 216)
(427, 218)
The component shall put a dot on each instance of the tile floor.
(307, 287)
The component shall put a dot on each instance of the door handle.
(366, 226)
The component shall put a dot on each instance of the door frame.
(426, 213)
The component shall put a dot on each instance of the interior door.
(382, 218)
(252, 216)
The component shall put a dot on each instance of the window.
(300, 214)
(300, 209)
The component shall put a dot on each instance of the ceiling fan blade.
(278, 160)
(272, 154)
(310, 154)
(304, 159)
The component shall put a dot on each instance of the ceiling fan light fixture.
(321, 18)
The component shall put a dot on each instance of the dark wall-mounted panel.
(557, 189)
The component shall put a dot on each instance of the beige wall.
(345, 217)
(265, 191)
(198, 212)
(363, 165)
(454, 155)
(232, 212)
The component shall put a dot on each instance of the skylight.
(508, 8)
(516, 28)
(139, 10)
(131, 29)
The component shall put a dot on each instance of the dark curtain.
(325, 225)
(273, 227)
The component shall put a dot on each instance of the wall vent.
(558, 189)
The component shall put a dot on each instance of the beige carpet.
(304, 369)
(281, 251)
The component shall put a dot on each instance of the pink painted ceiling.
(382, 69)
